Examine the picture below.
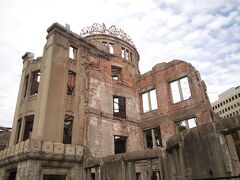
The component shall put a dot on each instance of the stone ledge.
(42, 147)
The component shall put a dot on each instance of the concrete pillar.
(76, 172)
(150, 170)
(164, 169)
(172, 167)
(29, 170)
(153, 138)
(133, 170)
(181, 160)
(180, 90)
(88, 174)
(124, 170)
(176, 162)
(3, 173)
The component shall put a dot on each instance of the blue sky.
(205, 33)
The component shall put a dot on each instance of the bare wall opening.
(67, 132)
(28, 127)
(119, 106)
(120, 144)
(71, 83)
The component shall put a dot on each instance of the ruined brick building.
(85, 112)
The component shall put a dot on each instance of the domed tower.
(81, 91)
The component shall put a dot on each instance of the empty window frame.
(26, 86)
(28, 128)
(54, 177)
(127, 54)
(131, 56)
(72, 52)
(111, 49)
(71, 82)
(186, 124)
(116, 72)
(149, 100)
(119, 106)
(67, 131)
(35, 80)
(120, 144)
(180, 90)
(153, 138)
(123, 52)
(18, 130)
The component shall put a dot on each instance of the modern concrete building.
(228, 104)
(85, 112)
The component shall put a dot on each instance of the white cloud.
(204, 32)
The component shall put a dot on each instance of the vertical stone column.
(3, 173)
(29, 170)
(76, 172)
(97, 173)
(181, 159)
(153, 138)
(133, 170)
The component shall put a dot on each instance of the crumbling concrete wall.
(206, 151)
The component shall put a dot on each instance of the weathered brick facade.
(83, 107)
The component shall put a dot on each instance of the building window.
(123, 52)
(18, 130)
(180, 90)
(153, 138)
(35, 80)
(149, 100)
(186, 124)
(25, 86)
(72, 52)
(116, 72)
(111, 49)
(119, 106)
(127, 54)
(67, 132)
(71, 82)
(120, 144)
(131, 56)
(54, 177)
(28, 127)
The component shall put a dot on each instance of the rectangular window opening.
(71, 82)
(149, 100)
(120, 144)
(123, 52)
(186, 124)
(131, 56)
(73, 52)
(153, 138)
(180, 90)
(35, 80)
(158, 139)
(111, 49)
(67, 132)
(28, 127)
(127, 54)
(54, 177)
(18, 130)
(116, 72)
(26, 86)
(119, 106)
(11, 175)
